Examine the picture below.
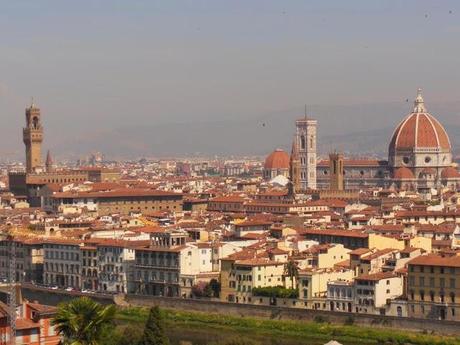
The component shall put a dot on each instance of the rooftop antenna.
(305, 111)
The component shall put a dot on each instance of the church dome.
(403, 173)
(278, 159)
(419, 130)
(450, 172)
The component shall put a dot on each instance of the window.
(442, 282)
(422, 281)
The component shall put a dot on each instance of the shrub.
(349, 321)
(275, 291)
(202, 289)
(320, 319)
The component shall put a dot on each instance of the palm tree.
(292, 271)
(81, 321)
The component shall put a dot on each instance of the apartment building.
(89, 267)
(171, 266)
(340, 295)
(156, 271)
(254, 273)
(374, 291)
(115, 261)
(29, 259)
(313, 284)
(62, 265)
(325, 255)
(433, 287)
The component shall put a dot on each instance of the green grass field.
(294, 330)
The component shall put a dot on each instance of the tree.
(292, 271)
(154, 333)
(130, 335)
(82, 321)
(215, 286)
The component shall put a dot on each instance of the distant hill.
(358, 130)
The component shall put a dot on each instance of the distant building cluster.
(419, 158)
(378, 237)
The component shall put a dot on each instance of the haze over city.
(231, 172)
(226, 77)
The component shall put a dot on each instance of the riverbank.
(299, 332)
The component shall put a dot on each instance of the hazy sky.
(98, 66)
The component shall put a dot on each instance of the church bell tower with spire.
(32, 136)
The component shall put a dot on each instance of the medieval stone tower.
(32, 136)
(336, 171)
(306, 144)
(294, 168)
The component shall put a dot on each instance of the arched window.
(302, 142)
(35, 122)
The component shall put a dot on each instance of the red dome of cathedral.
(278, 159)
(403, 173)
(450, 172)
(419, 130)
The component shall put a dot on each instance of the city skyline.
(204, 74)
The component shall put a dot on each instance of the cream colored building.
(313, 283)
(372, 291)
(242, 272)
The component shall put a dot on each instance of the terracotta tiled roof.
(450, 172)
(42, 308)
(403, 173)
(377, 276)
(436, 260)
(125, 192)
(333, 232)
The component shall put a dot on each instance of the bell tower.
(306, 145)
(32, 136)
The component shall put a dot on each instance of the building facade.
(433, 287)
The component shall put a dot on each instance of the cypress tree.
(154, 333)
